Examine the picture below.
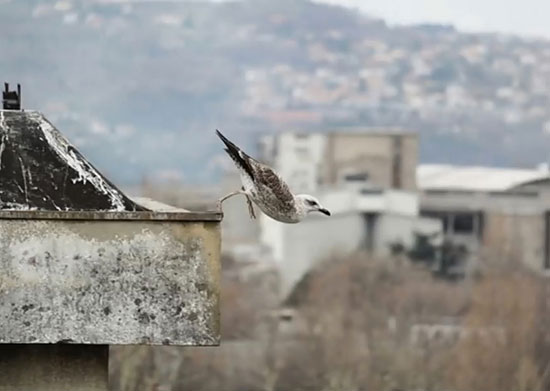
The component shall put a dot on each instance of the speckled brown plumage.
(266, 188)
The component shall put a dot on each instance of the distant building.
(366, 178)
(503, 214)
(382, 158)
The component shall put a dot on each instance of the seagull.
(263, 186)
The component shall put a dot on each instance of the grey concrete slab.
(109, 280)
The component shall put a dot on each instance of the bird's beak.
(324, 211)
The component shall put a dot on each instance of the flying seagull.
(267, 190)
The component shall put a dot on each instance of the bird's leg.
(219, 203)
(249, 204)
(250, 207)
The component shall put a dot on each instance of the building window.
(371, 191)
(460, 223)
(463, 223)
(357, 177)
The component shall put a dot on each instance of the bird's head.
(311, 204)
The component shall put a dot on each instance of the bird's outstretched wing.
(268, 183)
(271, 184)
(241, 159)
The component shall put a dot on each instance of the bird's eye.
(311, 203)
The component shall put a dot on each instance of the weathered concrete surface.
(109, 281)
(54, 368)
(40, 169)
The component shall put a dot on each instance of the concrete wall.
(409, 153)
(515, 238)
(402, 202)
(374, 154)
(109, 278)
(360, 152)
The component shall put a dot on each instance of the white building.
(365, 177)
(296, 157)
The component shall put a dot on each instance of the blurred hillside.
(140, 86)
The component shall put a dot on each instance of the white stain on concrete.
(86, 173)
(3, 139)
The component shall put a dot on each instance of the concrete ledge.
(102, 215)
(109, 278)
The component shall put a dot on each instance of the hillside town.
(217, 66)
(352, 76)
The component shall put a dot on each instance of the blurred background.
(423, 126)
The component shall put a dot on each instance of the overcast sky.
(524, 17)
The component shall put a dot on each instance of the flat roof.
(475, 178)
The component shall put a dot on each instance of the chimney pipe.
(11, 100)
